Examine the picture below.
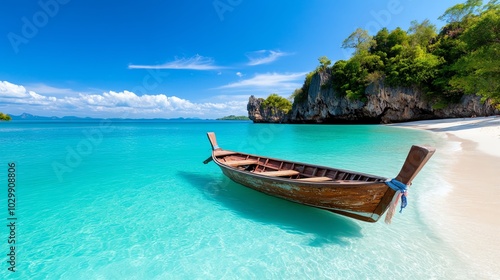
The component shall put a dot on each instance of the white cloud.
(239, 74)
(263, 57)
(196, 62)
(270, 81)
(11, 90)
(115, 104)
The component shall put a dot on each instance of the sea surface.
(133, 200)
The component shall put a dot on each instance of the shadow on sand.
(323, 226)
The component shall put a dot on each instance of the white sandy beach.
(468, 217)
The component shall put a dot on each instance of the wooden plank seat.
(279, 173)
(316, 179)
(241, 162)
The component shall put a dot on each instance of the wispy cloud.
(263, 57)
(196, 62)
(46, 89)
(239, 74)
(271, 81)
(15, 99)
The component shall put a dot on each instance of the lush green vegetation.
(276, 102)
(233, 118)
(4, 117)
(299, 95)
(478, 70)
(463, 58)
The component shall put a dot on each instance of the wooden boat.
(356, 195)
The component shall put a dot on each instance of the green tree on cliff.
(479, 69)
(359, 40)
(422, 34)
(274, 101)
(324, 63)
(460, 12)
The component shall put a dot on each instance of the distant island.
(4, 117)
(233, 118)
(30, 117)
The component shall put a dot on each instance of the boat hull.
(365, 201)
(353, 194)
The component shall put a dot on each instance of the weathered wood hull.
(365, 201)
(356, 195)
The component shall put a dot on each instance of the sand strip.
(468, 217)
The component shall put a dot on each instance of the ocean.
(132, 200)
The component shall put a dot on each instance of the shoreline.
(468, 216)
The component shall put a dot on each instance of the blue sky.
(164, 59)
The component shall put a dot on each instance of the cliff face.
(383, 105)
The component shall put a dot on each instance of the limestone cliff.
(382, 105)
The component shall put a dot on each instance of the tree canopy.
(478, 70)
(358, 40)
(463, 58)
(324, 62)
(459, 12)
(276, 102)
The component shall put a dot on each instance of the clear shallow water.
(132, 200)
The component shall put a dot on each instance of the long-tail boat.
(356, 195)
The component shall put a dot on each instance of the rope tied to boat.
(401, 192)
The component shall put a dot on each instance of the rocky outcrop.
(382, 105)
(262, 114)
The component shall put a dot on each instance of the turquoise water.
(132, 200)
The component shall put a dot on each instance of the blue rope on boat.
(398, 186)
